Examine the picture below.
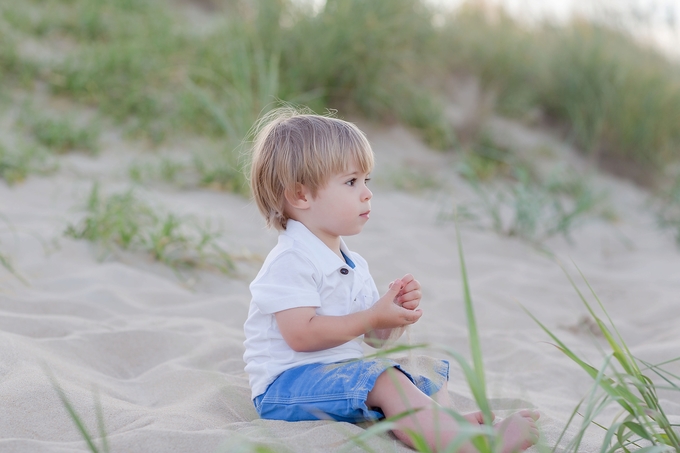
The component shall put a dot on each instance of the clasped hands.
(399, 306)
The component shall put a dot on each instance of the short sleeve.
(289, 281)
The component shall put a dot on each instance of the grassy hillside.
(162, 69)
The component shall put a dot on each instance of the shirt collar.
(324, 256)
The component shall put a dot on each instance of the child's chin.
(353, 231)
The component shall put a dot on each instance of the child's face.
(342, 207)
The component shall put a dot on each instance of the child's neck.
(332, 243)
(330, 240)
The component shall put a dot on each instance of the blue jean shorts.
(338, 391)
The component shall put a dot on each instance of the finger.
(412, 295)
(413, 315)
(394, 288)
(410, 316)
(411, 305)
(412, 286)
(408, 278)
(411, 282)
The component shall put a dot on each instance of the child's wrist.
(371, 320)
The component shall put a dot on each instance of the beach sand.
(162, 355)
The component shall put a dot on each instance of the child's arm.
(409, 298)
(305, 331)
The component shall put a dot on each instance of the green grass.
(14, 70)
(164, 169)
(6, 262)
(625, 381)
(78, 420)
(17, 163)
(370, 57)
(409, 177)
(513, 200)
(6, 259)
(60, 133)
(668, 209)
(215, 169)
(122, 221)
(615, 98)
(144, 65)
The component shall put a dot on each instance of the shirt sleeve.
(290, 281)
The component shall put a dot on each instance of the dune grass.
(668, 210)
(17, 163)
(157, 74)
(60, 133)
(6, 262)
(616, 98)
(6, 259)
(215, 168)
(146, 67)
(624, 380)
(123, 221)
(369, 57)
(514, 200)
(81, 426)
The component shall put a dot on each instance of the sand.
(162, 355)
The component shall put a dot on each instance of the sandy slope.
(165, 359)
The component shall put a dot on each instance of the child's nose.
(367, 194)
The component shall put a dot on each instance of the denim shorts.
(338, 391)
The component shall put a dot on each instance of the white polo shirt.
(301, 271)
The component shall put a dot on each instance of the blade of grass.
(87, 437)
(475, 344)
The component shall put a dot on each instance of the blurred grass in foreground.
(642, 424)
(150, 68)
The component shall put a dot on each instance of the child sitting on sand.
(314, 301)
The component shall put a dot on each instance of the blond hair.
(293, 146)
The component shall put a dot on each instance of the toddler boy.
(314, 301)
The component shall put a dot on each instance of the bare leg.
(394, 393)
(442, 396)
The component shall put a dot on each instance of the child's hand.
(409, 296)
(388, 313)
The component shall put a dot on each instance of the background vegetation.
(208, 68)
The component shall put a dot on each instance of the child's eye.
(366, 180)
(351, 182)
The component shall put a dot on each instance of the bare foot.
(518, 432)
(477, 417)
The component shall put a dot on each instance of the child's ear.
(298, 197)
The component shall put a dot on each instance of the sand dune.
(163, 357)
